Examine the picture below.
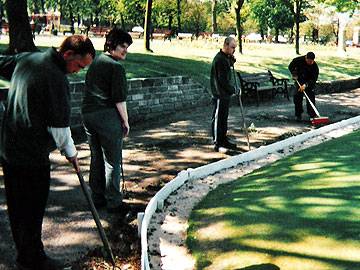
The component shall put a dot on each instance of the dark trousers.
(219, 125)
(298, 100)
(105, 136)
(27, 190)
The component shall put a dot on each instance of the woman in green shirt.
(106, 120)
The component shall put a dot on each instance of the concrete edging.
(157, 202)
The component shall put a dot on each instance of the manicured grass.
(194, 58)
(300, 213)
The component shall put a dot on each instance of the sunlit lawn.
(301, 213)
(194, 58)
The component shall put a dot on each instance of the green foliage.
(272, 13)
(280, 16)
(135, 11)
(226, 24)
(164, 13)
(194, 16)
(343, 5)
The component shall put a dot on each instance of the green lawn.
(194, 59)
(300, 213)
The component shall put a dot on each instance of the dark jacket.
(38, 98)
(106, 84)
(307, 74)
(220, 76)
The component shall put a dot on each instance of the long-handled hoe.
(95, 216)
(318, 120)
(242, 109)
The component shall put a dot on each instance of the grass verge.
(301, 212)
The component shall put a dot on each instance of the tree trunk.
(213, 9)
(343, 21)
(1, 14)
(179, 16)
(297, 25)
(170, 22)
(42, 6)
(239, 30)
(147, 28)
(20, 36)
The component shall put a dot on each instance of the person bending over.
(37, 112)
(305, 72)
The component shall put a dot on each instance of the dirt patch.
(153, 155)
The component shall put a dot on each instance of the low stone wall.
(337, 86)
(151, 98)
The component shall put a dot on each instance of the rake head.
(320, 121)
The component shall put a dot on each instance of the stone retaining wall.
(151, 98)
(337, 86)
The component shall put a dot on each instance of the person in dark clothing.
(222, 88)
(37, 113)
(106, 121)
(305, 70)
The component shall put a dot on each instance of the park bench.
(256, 83)
(162, 34)
(136, 34)
(99, 30)
(185, 36)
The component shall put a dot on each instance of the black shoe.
(298, 118)
(122, 210)
(229, 145)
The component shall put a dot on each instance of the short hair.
(228, 40)
(310, 55)
(116, 37)
(80, 44)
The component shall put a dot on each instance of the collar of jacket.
(57, 58)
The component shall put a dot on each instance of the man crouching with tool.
(222, 89)
(305, 71)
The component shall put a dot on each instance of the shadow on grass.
(276, 210)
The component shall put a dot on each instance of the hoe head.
(320, 121)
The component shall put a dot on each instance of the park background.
(182, 37)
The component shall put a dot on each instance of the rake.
(242, 110)
(95, 215)
(318, 120)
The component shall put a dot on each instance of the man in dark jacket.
(37, 112)
(305, 71)
(222, 88)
